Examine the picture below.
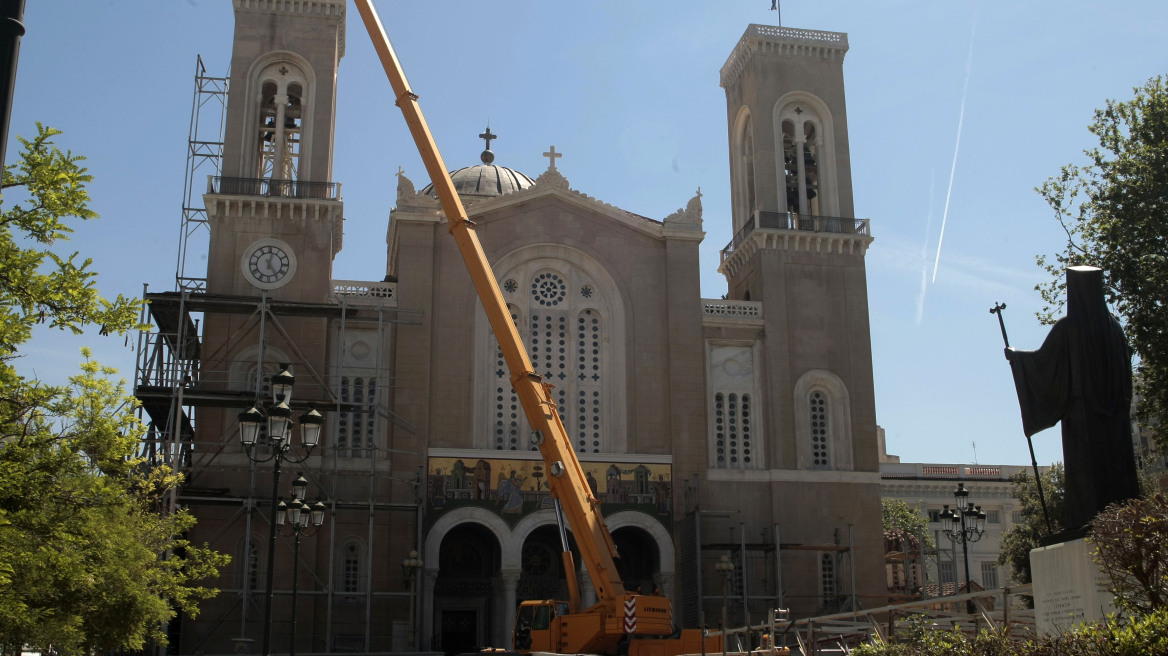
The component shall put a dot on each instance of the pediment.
(570, 198)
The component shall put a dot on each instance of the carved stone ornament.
(552, 178)
(407, 196)
(692, 212)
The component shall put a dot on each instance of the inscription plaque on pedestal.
(1068, 587)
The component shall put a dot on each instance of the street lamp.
(726, 569)
(300, 516)
(279, 424)
(965, 525)
(410, 567)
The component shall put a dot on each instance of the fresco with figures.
(512, 488)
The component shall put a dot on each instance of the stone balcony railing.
(748, 312)
(363, 292)
(805, 223)
(268, 187)
(917, 470)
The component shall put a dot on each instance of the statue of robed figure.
(1082, 376)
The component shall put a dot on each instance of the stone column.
(587, 592)
(510, 583)
(665, 581)
(281, 100)
(426, 608)
(800, 143)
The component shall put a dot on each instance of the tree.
(903, 523)
(1131, 547)
(1113, 213)
(1027, 534)
(88, 560)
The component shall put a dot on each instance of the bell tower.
(797, 255)
(797, 247)
(275, 214)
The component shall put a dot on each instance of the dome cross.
(487, 136)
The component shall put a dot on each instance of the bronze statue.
(1081, 375)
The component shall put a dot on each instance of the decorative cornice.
(820, 243)
(222, 207)
(785, 43)
(320, 8)
(792, 476)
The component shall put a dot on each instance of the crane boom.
(566, 478)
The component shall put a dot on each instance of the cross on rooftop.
(552, 156)
(488, 136)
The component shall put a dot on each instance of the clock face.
(269, 263)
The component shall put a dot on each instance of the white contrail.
(925, 249)
(956, 147)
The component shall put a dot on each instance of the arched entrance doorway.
(639, 560)
(543, 565)
(468, 561)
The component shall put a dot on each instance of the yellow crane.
(620, 622)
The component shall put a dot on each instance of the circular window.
(548, 289)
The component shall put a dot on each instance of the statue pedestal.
(1068, 587)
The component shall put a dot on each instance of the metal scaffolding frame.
(204, 158)
(172, 360)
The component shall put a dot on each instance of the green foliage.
(902, 522)
(1131, 548)
(87, 559)
(1026, 535)
(1113, 213)
(38, 284)
(1142, 636)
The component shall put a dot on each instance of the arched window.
(803, 134)
(561, 315)
(828, 585)
(280, 119)
(507, 414)
(823, 424)
(820, 431)
(356, 429)
(734, 429)
(247, 569)
(733, 433)
(742, 173)
(352, 570)
(801, 148)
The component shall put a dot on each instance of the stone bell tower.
(798, 253)
(275, 213)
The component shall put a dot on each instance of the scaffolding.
(177, 375)
(169, 357)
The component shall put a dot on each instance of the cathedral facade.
(742, 427)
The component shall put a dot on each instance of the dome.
(485, 180)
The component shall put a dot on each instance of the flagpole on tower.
(776, 6)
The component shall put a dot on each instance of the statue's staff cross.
(997, 309)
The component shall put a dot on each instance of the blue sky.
(628, 92)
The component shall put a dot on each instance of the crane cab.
(538, 624)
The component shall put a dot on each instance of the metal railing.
(269, 187)
(797, 222)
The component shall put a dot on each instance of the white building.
(929, 488)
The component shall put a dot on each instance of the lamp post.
(965, 525)
(410, 566)
(726, 569)
(299, 516)
(279, 423)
